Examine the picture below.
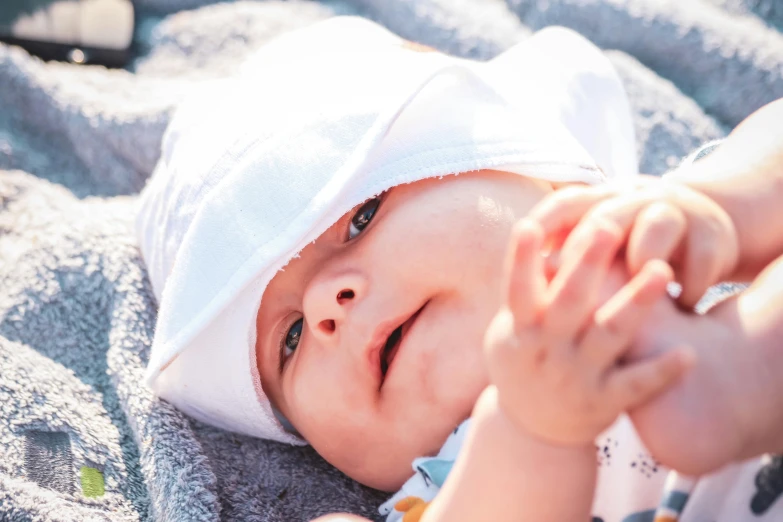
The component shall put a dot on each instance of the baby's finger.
(573, 292)
(510, 352)
(658, 231)
(621, 212)
(524, 271)
(617, 322)
(632, 385)
(561, 211)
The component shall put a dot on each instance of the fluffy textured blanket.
(80, 437)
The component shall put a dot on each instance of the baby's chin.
(389, 476)
(389, 480)
(384, 466)
(383, 458)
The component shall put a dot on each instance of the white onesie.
(632, 487)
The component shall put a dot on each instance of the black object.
(48, 460)
(77, 31)
(769, 486)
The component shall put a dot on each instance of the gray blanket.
(80, 437)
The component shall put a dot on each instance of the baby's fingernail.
(527, 223)
(656, 269)
(527, 229)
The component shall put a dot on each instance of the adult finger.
(657, 232)
(700, 269)
(618, 320)
(710, 254)
(633, 385)
(709, 250)
(622, 212)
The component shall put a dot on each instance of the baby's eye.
(363, 216)
(291, 340)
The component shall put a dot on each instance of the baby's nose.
(328, 301)
(328, 325)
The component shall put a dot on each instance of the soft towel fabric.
(253, 170)
(77, 311)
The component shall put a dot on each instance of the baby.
(323, 278)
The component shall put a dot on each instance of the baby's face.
(370, 342)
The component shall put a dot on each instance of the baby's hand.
(662, 220)
(554, 359)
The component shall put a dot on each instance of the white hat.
(255, 167)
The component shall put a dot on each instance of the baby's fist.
(659, 219)
(554, 358)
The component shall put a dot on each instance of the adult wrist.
(759, 320)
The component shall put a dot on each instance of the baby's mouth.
(394, 341)
(390, 349)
